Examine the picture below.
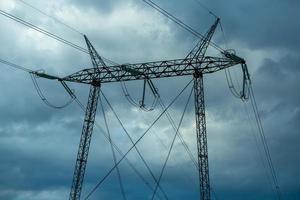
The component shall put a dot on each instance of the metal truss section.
(201, 137)
(96, 59)
(85, 141)
(151, 70)
(200, 49)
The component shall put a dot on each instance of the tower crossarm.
(152, 70)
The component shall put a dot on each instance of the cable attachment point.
(96, 83)
(197, 74)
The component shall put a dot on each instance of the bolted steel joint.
(96, 83)
(197, 74)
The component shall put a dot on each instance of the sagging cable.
(45, 100)
(141, 103)
(245, 91)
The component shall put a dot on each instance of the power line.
(53, 18)
(43, 31)
(258, 147)
(16, 66)
(264, 142)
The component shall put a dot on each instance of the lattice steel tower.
(195, 64)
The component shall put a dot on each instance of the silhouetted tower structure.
(195, 64)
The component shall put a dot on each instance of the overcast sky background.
(38, 144)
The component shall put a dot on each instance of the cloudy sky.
(38, 144)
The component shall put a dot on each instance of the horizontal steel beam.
(151, 70)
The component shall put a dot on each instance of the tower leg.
(201, 137)
(85, 141)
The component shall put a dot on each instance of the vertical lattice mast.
(88, 125)
(201, 137)
(199, 53)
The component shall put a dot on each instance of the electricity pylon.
(196, 63)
